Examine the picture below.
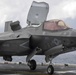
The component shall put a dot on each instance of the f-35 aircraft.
(39, 37)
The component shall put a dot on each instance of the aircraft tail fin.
(12, 26)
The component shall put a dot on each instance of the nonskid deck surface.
(23, 69)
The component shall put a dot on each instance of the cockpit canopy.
(54, 25)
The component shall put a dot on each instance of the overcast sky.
(18, 10)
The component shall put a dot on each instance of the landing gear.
(32, 64)
(50, 69)
(7, 58)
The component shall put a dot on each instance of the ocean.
(62, 58)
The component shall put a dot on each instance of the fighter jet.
(39, 37)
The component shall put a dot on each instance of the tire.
(50, 69)
(32, 64)
(7, 58)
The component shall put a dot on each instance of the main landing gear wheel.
(50, 69)
(7, 58)
(32, 64)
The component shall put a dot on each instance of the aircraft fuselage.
(38, 38)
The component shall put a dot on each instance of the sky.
(13, 10)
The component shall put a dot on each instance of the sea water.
(62, 58)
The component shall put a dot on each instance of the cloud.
(64, 9)
(70, 9)
(18, 10)
(14, 10)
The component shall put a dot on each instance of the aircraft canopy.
(55, 25)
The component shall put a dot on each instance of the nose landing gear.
(32, 64)
(50, 69)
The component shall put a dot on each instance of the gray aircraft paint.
(23, 41)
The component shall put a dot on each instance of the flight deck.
(23, 69)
